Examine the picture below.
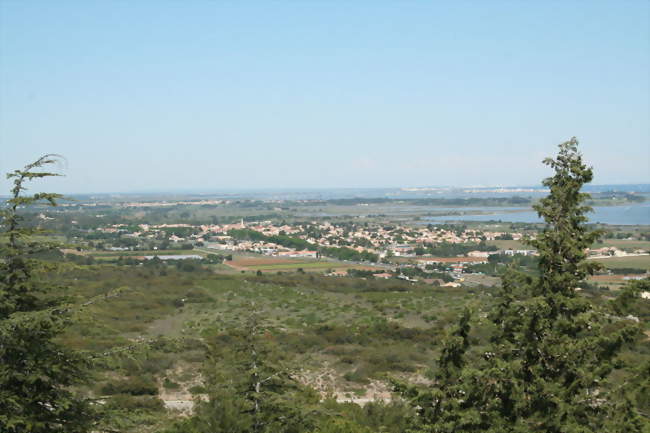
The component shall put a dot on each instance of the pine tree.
(36, 373)
(446, 405)
(250, 389)
(547, 363)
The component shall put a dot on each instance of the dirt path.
(185, 407)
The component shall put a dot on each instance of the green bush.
(130, 402)
(170, 384)
(131, 386)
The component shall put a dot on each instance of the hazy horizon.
(426, 189)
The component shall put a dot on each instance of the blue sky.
(170, 95)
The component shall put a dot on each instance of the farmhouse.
(402, 250)
(520, 252)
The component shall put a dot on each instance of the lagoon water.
(615, 215)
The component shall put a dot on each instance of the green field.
(625, 244)
(315, 266)
(639, 262)
(508, 245)
(306, 265)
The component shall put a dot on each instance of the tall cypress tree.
(36, 373)
(547, 363)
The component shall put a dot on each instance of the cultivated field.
(620, 279)
(625, 244)
(275, 264)
(639, 262)
(508, 245)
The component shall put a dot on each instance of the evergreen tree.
(549, 358)
(446, 403)
(36, 373)
(250, 390)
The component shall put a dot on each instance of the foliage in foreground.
(251, 388)
(547, 366)
(35, 372)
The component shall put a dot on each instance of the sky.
(216, 95)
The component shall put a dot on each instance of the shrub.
(131, 386)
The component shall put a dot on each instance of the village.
(443, 255)
(388, 240)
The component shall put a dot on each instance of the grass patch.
(508, 245)
(640, 262)
(625, 244)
